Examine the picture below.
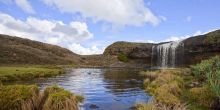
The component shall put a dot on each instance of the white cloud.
(177, 38)
(78, 48)
(25, 6)
(49, 31)
(117, 12)
(188, 18)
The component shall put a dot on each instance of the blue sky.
(88, 26)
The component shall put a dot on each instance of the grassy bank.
(20, 97)
(15, 73)
(195, 88)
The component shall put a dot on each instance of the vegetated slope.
(15, 50)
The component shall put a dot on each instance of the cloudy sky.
(88, 26)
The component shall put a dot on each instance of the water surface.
(103, 89)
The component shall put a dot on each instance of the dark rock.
(93, 106)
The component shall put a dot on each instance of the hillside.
(15, 50)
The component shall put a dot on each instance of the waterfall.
(165, 54)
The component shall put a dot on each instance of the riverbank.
(184, 89)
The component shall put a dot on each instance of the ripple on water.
(103, 89)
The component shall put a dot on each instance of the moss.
(27, 73)
(122, 57)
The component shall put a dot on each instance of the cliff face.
(201, 47)
(193, 51)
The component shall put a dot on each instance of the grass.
(23, 97)
(13, 97)
(28, 72)
(176, 89)
(60, 99)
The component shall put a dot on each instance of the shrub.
(209, 70)
(122, 57)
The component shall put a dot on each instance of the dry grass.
(159, 106)
(20, 97)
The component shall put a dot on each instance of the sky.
(89, 26)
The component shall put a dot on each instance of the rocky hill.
(15, 50)
(194, 50)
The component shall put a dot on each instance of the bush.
(122, 57)
(209, 71)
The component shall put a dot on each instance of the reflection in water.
(104, 89)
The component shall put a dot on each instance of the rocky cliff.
(194, 50)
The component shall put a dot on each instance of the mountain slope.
(15, 50)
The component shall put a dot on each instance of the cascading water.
(164, 55)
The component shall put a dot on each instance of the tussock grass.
(28, 72)
(178, 89)
(159, 106)
(21, 97)
(13, 97)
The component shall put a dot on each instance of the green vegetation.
(21, 97)
(28, 72)
(166, 86)
(16, 96)
(209, 71)
(197, 88)
(122, 57)
(60, 99)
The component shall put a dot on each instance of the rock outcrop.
(195, 49)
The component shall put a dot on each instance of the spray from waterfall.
(165, 54)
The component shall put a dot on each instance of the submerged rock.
(93, 106)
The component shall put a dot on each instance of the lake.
(103, 89)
